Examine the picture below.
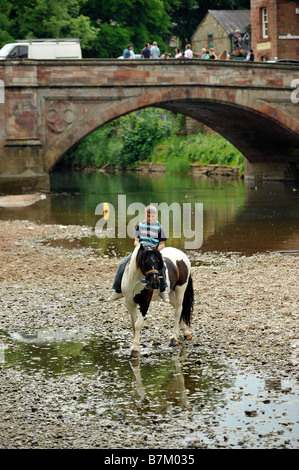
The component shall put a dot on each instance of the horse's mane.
(133, 263)
(137, 260)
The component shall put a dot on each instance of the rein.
(144, 281)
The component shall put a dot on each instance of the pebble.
(247, 315)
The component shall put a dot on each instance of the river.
(238, 216)
(76, 389)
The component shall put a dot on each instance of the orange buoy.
(106, 210)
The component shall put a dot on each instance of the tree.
(5, 8)
(105, 27)
(122, 21)
(41, 18)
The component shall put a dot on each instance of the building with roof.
(217, 30)
(275, 29)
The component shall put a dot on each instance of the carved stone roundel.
(60, 115)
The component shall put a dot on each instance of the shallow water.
(220, 403)
(237, 216)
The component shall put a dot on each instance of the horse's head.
(150, 261)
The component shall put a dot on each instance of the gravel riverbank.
(246, 312)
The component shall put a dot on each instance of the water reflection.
(166, 379)
(168, 387)
(237, 216)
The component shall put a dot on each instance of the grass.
(179, 152)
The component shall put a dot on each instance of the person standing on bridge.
(178, 53)
(155, 51)
(212, 54)
(188, 52)
(146, 52)
(224, 55)
(132, 53)
(126, 52)
(250, 56)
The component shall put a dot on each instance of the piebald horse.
(141, 284)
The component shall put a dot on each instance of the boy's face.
(151, 217)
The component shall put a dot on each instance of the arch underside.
(260, 138)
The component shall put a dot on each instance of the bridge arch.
(50, 106)
(264, 134)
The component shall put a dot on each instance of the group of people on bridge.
(152, 51)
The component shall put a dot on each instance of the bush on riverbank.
(149, 135)
(180, 151)
(123, 142)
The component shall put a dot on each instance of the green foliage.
(125, 142)
(5, 22)
(122, 22)
(148, 135)
(106, 27)
(179, 152)
(41, 18)
(141, 132)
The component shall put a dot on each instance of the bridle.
(145, 281)
(155, 271)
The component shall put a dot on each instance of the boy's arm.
(162, 239)
(161, 245)
(136, 241)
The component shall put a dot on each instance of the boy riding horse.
(148, 232)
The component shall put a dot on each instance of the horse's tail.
(188, 301)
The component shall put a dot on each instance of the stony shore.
(246, 310)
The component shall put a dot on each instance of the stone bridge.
(46, 107)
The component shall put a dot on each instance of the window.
(20, 52)
(210, 41)
(23, 52)
(265, 22)
(13, 53)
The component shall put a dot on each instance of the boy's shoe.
(115, 295)
(164, 296)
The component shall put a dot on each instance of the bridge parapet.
(51, 105)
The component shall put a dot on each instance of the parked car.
(42, 49)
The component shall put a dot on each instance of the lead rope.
(144, 281)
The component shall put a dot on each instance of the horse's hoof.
(188, 337)
(134, 354)
(173, 342)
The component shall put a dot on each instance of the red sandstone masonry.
(282, 20)
(242, 101)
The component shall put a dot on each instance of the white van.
(42, 49)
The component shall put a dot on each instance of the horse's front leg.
(133, 313)
(143, 300)
(137, 329)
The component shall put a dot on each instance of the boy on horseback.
(148, 232)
